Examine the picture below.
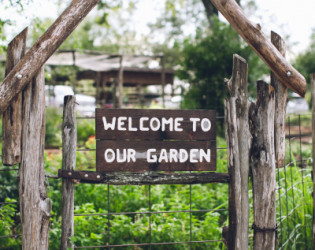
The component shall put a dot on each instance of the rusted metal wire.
(152, 244)
(154, 212)
(11, 236)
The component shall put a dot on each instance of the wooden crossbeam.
(21, 75)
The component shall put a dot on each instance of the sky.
(286, 17)
(289, 17)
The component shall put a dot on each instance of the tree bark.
(211, 10)
(35, 207)
(146, 178)
(12, 117)
(280, 105)
(262, 158)
(69, 146)
(47, 44)
(288, 75)
(237, 136)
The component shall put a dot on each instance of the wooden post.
(97, 83)
(74, 82)
(253, 35)
(238, 141)
(163, 80)
(313, 140)
(262, 156)
(12, 117)
(69, 146)
(280, 105)
(35, 207)
(23, 73)
(120, 82)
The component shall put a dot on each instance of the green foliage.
(86, 132)
(53, 136)
(9, 225)
(305, 62)
(207, 60)
(53, 127)
(294, 207)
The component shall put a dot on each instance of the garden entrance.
(150, 209)
(154, 216)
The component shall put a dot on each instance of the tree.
(207, 60)
(305, 62)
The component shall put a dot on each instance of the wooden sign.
(135, 140)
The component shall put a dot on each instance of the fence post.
(35, 206)
(238, 141)
(280, 105)
(262, 156)
(313, 140)
(69, 145)
(12, 117)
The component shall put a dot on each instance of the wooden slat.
(69, 143)
(262, 156)
(141, 163)
(136, 114)
(35, 206)
(238, 141)
(12, 117)
(147, 178)
(280, 105)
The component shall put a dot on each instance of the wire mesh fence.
(294, 186)
(165, 216)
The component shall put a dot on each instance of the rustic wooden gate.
(254, 135)
(69, 174)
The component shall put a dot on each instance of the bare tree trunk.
(35, 207)
(238, 142)
(281, 104)
(69, 146)
(23, 73)
(12, 117)
(210, 11)
(262, 156)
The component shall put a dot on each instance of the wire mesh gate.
(294, 186)
(169, 209)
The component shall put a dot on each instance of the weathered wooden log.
(253, 35)
(35, 206)
(238, 141)
(146, 178)
(46, 45)
(262, 157)
(280, 105)
(69, 146)
(12, 117)
(313, 140)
